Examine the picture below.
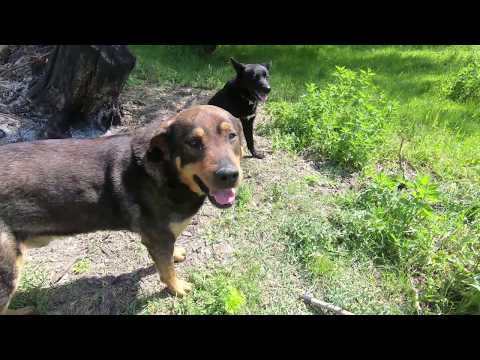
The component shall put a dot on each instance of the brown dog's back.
(61, 181)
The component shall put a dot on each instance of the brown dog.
(151, 182)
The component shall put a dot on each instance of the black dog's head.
(253, 78)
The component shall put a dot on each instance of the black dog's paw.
(258, 155)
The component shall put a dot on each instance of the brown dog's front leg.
(162, 253)
(11, 262)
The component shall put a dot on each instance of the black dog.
(241, 95)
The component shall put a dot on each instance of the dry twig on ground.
(310, 300)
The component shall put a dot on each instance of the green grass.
(32, 290)
(293, 66)
(374, 248)
(440, 134)
(81, 266)
(218, 292)
(343, 276)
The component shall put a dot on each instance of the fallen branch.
(9, 116)
(310, 300)
(65, 270)
(105, 252)
(33, 59)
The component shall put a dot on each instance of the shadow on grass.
(108, 295)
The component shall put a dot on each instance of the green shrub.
(410, 229)
(233, 300)
(33, 290)
(346, 279)
(464, 86)
(471, 298)
(390, 224)
(306, 236)
(343, 121)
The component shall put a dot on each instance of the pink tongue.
(264, 97)
(224, 197)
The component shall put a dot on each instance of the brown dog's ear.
(159, 148)
(238, 127)
(239, 67)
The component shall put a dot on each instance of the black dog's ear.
(239, 67)
(268, 65)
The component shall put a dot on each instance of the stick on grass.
(310, 300)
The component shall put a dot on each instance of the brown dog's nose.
(227, 176)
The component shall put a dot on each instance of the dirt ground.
(119, 270)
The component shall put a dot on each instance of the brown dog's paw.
(179, 254)
(179, 288)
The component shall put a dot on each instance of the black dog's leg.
(248, 131)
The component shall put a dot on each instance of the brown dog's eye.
(232, 136)
(195, 143)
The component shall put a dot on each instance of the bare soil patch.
(119, 270)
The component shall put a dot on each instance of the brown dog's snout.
(227, 174)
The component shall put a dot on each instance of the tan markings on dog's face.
(225, 126)
(198, 132)
(208, 140)
(186, 174)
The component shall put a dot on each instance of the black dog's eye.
(232, 136)
(195, 143)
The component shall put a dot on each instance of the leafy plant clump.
(464, 86)
(344, 121)
(406, 226)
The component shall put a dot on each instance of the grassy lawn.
(403, 236)
(442, 132)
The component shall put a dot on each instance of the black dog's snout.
(267, 89)
(227, 176)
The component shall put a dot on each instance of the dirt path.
(107, 272)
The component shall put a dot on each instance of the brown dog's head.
(204, 145)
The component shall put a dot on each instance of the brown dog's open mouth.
(222, 199)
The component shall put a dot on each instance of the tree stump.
(206, 49)
(209, 49)
(81, 87)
